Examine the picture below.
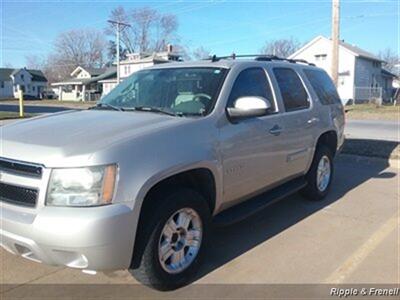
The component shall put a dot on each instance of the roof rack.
(259, 57)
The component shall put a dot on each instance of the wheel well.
(328, 139)
(201, 180)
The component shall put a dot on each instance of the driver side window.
(251, 82)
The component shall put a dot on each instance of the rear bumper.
(97, 238)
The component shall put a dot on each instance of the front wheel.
(174, 249)
(320, 175)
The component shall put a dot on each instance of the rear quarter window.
(294, 95)
(323, 86)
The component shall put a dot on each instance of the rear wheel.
(177, 237)
(320, 175)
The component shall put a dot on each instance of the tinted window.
(294, 95)
(323, 86)
(251, 82)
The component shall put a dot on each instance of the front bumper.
(96, 238)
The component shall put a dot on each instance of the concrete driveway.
(350, 237)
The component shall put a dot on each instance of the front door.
(251, 148)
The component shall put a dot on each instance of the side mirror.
(247, 107)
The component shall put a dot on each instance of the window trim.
(274, 100)
(309, 98)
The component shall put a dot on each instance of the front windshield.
(186, 91)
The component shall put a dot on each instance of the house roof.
(388, 74)
(356, 51)
(107, 73)
(37, 75)
(359, 51)
(94, 71)
(5, 74)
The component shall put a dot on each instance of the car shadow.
(232, 241)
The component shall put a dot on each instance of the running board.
(253, 205)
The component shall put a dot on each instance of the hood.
(76, 134)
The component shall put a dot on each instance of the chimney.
(169, 48)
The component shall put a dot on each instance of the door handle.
(276, 130)
(312, 121)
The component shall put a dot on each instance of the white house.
(84, 84)
(31, 82)
(136, 62)
(361, 76)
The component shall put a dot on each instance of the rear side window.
(293, 93)
(251, 82)
(323, 86)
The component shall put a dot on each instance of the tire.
(316, 189)
(154, 272)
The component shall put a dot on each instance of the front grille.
(18, 195)
(20, 168)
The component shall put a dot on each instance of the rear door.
(299, 120)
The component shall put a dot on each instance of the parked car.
(48, 94)
(135, 182)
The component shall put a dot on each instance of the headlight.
(89, 186)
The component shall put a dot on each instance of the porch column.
(83, 92)
(59, 92)
(76, 91)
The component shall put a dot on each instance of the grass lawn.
(4, 115)
(373, 112)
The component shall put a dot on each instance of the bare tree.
(200, 53)
(83, 47)
(35, 62)
(391, 60)
(150, 30)
(119, 14)
(281, 47)
(112, 52)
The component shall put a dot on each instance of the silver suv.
(136, 181)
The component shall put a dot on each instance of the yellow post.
(21, 104)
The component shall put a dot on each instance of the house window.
(33, 88)
(22, 76)
(2, 84)
(320, 57)
(376, 64)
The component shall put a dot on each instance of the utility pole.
(335, 41)
(119, 27)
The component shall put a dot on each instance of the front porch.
(78, 91)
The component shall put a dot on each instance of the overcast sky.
(29, 27)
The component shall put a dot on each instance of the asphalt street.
(373, 129)
(350, 237)
(33, 109)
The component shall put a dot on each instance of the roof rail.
(259, 57)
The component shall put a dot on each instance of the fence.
(368, 95)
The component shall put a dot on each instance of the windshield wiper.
(106, 106)
(153, 109)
